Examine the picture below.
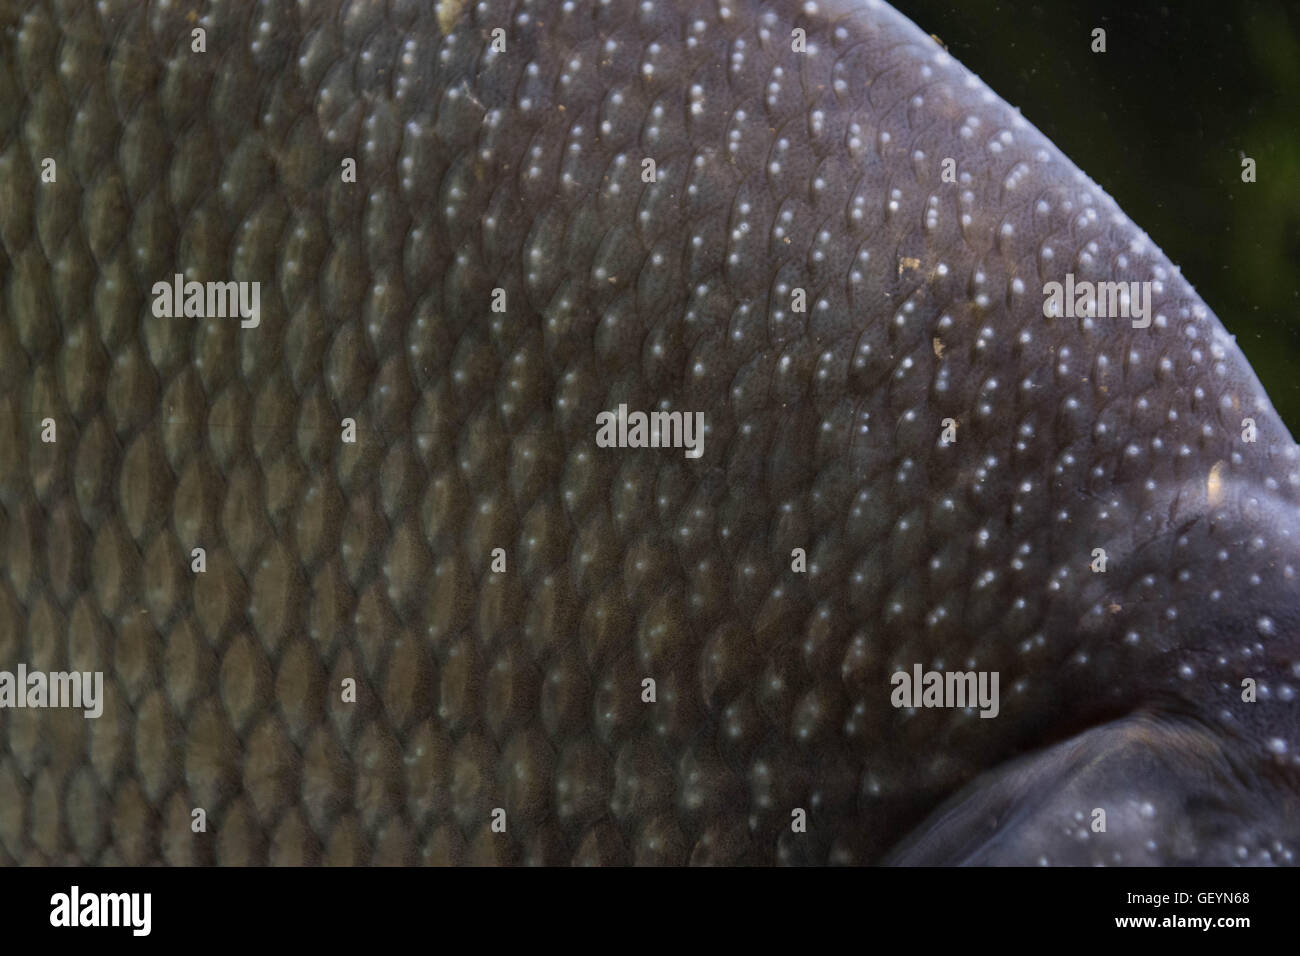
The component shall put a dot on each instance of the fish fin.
(1142, 790)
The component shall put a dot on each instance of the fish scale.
(521, 173)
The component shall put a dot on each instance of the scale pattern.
(522, 170)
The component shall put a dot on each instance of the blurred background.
(1161, 121)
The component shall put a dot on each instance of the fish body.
(439, 619)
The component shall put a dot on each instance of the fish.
(603, 432)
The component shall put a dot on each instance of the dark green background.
(1161, 121)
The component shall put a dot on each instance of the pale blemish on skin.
(449, 12)
(1214, 484)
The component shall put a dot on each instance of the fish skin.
(522, 690)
